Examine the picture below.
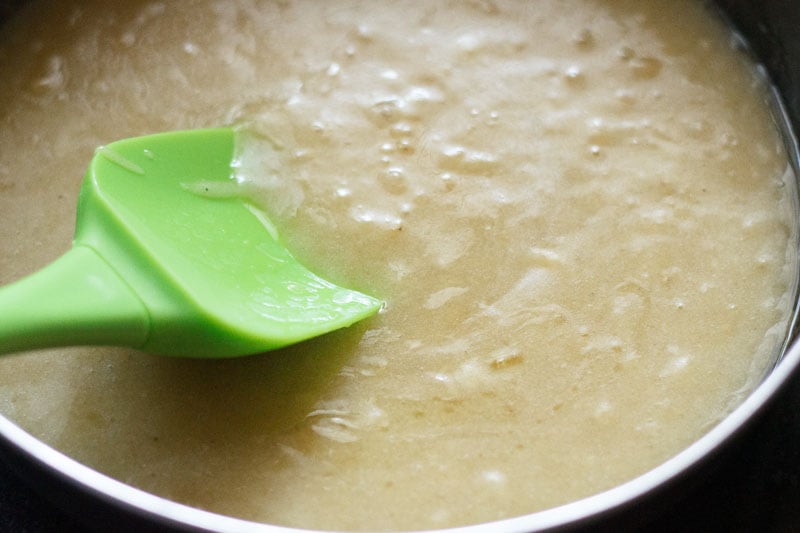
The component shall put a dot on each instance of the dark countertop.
(754, 487)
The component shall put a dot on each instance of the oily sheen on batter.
(577, 212)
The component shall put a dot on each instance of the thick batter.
(578, 213)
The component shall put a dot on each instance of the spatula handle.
(77, 300)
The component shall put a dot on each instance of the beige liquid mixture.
(578, 213)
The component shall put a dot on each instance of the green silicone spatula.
(163, 263)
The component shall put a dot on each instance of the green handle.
(76, 300)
